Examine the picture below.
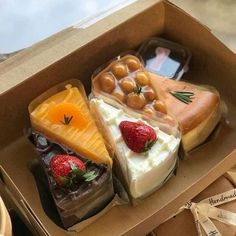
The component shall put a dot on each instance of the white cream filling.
(143, 172)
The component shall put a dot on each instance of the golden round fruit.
(119, 94)
(149, 93)
(119, 70)
(132, 64)
(142, 78)
(136, 101)
(160, 106)
(107, 82)
(169, 119)
(148, 110)
(127, 85)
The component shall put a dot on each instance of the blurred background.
(218, 15)
(25, 22)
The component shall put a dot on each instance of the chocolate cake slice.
(78, 201)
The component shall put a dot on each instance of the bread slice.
(198, 118)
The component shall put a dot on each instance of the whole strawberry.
(138, 136)
(68, 170)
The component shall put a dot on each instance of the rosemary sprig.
(67, 120)
(91, 175)
(183, 96)
(137, 89)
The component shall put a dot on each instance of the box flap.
(12, 195)
(83, 24)
(33, 219)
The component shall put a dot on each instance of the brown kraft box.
(183, 223)
(76, 53)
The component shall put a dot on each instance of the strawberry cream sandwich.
(146, 154)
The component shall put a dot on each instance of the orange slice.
(67, 114)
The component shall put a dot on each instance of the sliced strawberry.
(138, 136)
(68, 170)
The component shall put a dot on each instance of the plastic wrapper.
(165, 58)
(141, 173)
(84, 199)
(211, 132)
(126, 81)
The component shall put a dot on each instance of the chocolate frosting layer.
(82, 200)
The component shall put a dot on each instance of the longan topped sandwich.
(127, 82)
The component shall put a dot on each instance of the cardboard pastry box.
(184, 223)
(75, 53)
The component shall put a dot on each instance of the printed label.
(204, 210)
(161, 55)
(222, 198)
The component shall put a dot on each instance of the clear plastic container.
(125, 80)
(165, 58)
